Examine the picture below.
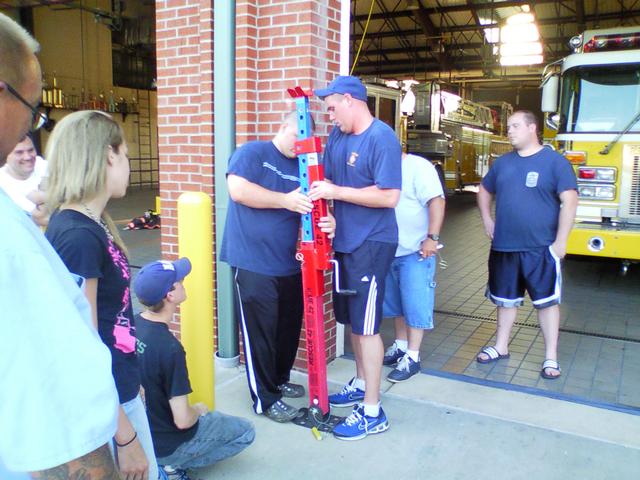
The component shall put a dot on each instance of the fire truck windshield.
(600, 99)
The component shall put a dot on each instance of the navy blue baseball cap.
(344, 84)
(155, 279)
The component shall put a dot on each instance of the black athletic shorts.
(363, 270)
(512, 273)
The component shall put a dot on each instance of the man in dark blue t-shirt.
(362, 164)
(259, 243)
(536, 198)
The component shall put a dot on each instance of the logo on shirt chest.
(532, 179)
(351, 161)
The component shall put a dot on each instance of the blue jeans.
(410, 290)
(219, 436)
(137, 415)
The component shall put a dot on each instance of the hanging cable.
(364, 34)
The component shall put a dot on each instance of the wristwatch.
(434, 236)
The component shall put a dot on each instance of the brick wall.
(279, 44)
(184, 42)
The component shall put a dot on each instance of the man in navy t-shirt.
(536, 198)
(362, 164)
(259, 243)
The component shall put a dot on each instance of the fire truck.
(461, 137)
(592, 101)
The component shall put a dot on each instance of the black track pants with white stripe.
(269, 312)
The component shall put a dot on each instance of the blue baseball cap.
(155, 279)
(344, 84)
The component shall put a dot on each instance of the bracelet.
(135, 435)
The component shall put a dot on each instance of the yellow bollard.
(195, 241)
(158, 204)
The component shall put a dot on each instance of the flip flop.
(493, 355)
(548, 363)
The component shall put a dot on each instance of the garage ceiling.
(446, 38)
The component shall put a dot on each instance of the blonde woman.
(88, 166)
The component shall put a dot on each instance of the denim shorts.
(410, 290)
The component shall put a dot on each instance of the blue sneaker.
(392, 355)
(358, 425)
(405, 369)
(348, 396)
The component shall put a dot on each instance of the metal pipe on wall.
(225, 139)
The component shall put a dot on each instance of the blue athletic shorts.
(513, 273)
(363, 270)
(410, 290)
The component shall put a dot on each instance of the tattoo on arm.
(92, 466)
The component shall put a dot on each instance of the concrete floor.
(439, 429)
(443, 428)
(599, 347)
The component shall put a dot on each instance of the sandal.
(548, 363)
(493, 355)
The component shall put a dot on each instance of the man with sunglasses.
(58, 403)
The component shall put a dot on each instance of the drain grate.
(531, 325)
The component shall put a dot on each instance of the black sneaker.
(281, 412)
(291, 390)
(405, 369)
(392, 355)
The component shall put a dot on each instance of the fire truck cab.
(592, 101)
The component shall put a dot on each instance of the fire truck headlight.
(607, 192)
(586, 191)
(597, 192)
(606, 174)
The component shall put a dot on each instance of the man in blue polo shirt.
(362, 164)
(536, 199)
(259, 243)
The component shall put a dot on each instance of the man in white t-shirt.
(58, 401)
(409, 294)
(22, 174)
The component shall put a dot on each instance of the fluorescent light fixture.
(519, 49)
(520, 41)
(521, 60)
(492, 35)
(519, 33)
(520, 19)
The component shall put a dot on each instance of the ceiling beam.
(487, 5)
(580, 15)
(545, 21)
(458, 47)
(431, 31)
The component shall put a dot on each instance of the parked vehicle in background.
(592, 101)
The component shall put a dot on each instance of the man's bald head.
(20, 69)
(17, 49)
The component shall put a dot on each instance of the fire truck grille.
(634, 197)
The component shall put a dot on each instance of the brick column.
(281, 44)
(184, 42)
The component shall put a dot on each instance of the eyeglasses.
(38, 119)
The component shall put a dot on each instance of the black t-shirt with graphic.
(86, 251)
(164, 375)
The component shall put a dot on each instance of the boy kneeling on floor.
(184, 436)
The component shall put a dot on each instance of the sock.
(414, 355)
(358, 383)
(371, 410)
(402, 345)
